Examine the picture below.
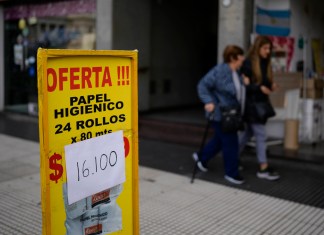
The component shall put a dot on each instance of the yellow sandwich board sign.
(88, 128)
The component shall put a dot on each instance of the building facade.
(178, 41)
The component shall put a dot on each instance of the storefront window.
(56, 25)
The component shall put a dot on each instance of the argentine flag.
(273, 22)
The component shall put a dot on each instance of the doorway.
(184, 48)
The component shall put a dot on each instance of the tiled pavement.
(169, 204)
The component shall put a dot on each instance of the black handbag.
(259, 111)
(231, 120)
(264, 110)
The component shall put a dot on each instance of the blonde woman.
(258, 77)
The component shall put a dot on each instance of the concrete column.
(2, 83)
(234, 25)
(104, 25)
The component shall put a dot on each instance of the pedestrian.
(258, 77)
(222, 87)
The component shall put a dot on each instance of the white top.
(240, 90)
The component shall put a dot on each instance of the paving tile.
(169, 203)
(31, 159)
(4, 177)
(35, 178)
(151, 190)
(17, 184)
(12, 153)
(21, 170)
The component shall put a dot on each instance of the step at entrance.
(169, 131)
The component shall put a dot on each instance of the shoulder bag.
(231, 120)
(258, 111)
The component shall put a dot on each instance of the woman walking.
(257, 73)
(222, 87)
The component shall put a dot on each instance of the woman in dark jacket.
(257, 73)
(222, 86)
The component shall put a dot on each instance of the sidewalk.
(169, 204)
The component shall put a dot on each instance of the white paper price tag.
(94, 165)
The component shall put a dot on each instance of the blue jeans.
(259, 132)
(225, 142)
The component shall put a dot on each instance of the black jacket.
(253, 91)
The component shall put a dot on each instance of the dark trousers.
(225, 142)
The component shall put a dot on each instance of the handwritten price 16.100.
(55, 164)
(100, 163)
(94, 165)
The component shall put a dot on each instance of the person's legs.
(212, 147)
(259, 132)
(264, 172)
(230, 149)
(244, 137)
(228, 143)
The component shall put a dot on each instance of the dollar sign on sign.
(57, 167)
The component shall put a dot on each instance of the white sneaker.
(268, 174)
(235, 180)
(200, 165)
(195, 157)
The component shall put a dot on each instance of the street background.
(169, 203)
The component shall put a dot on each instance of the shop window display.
(25, 35)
